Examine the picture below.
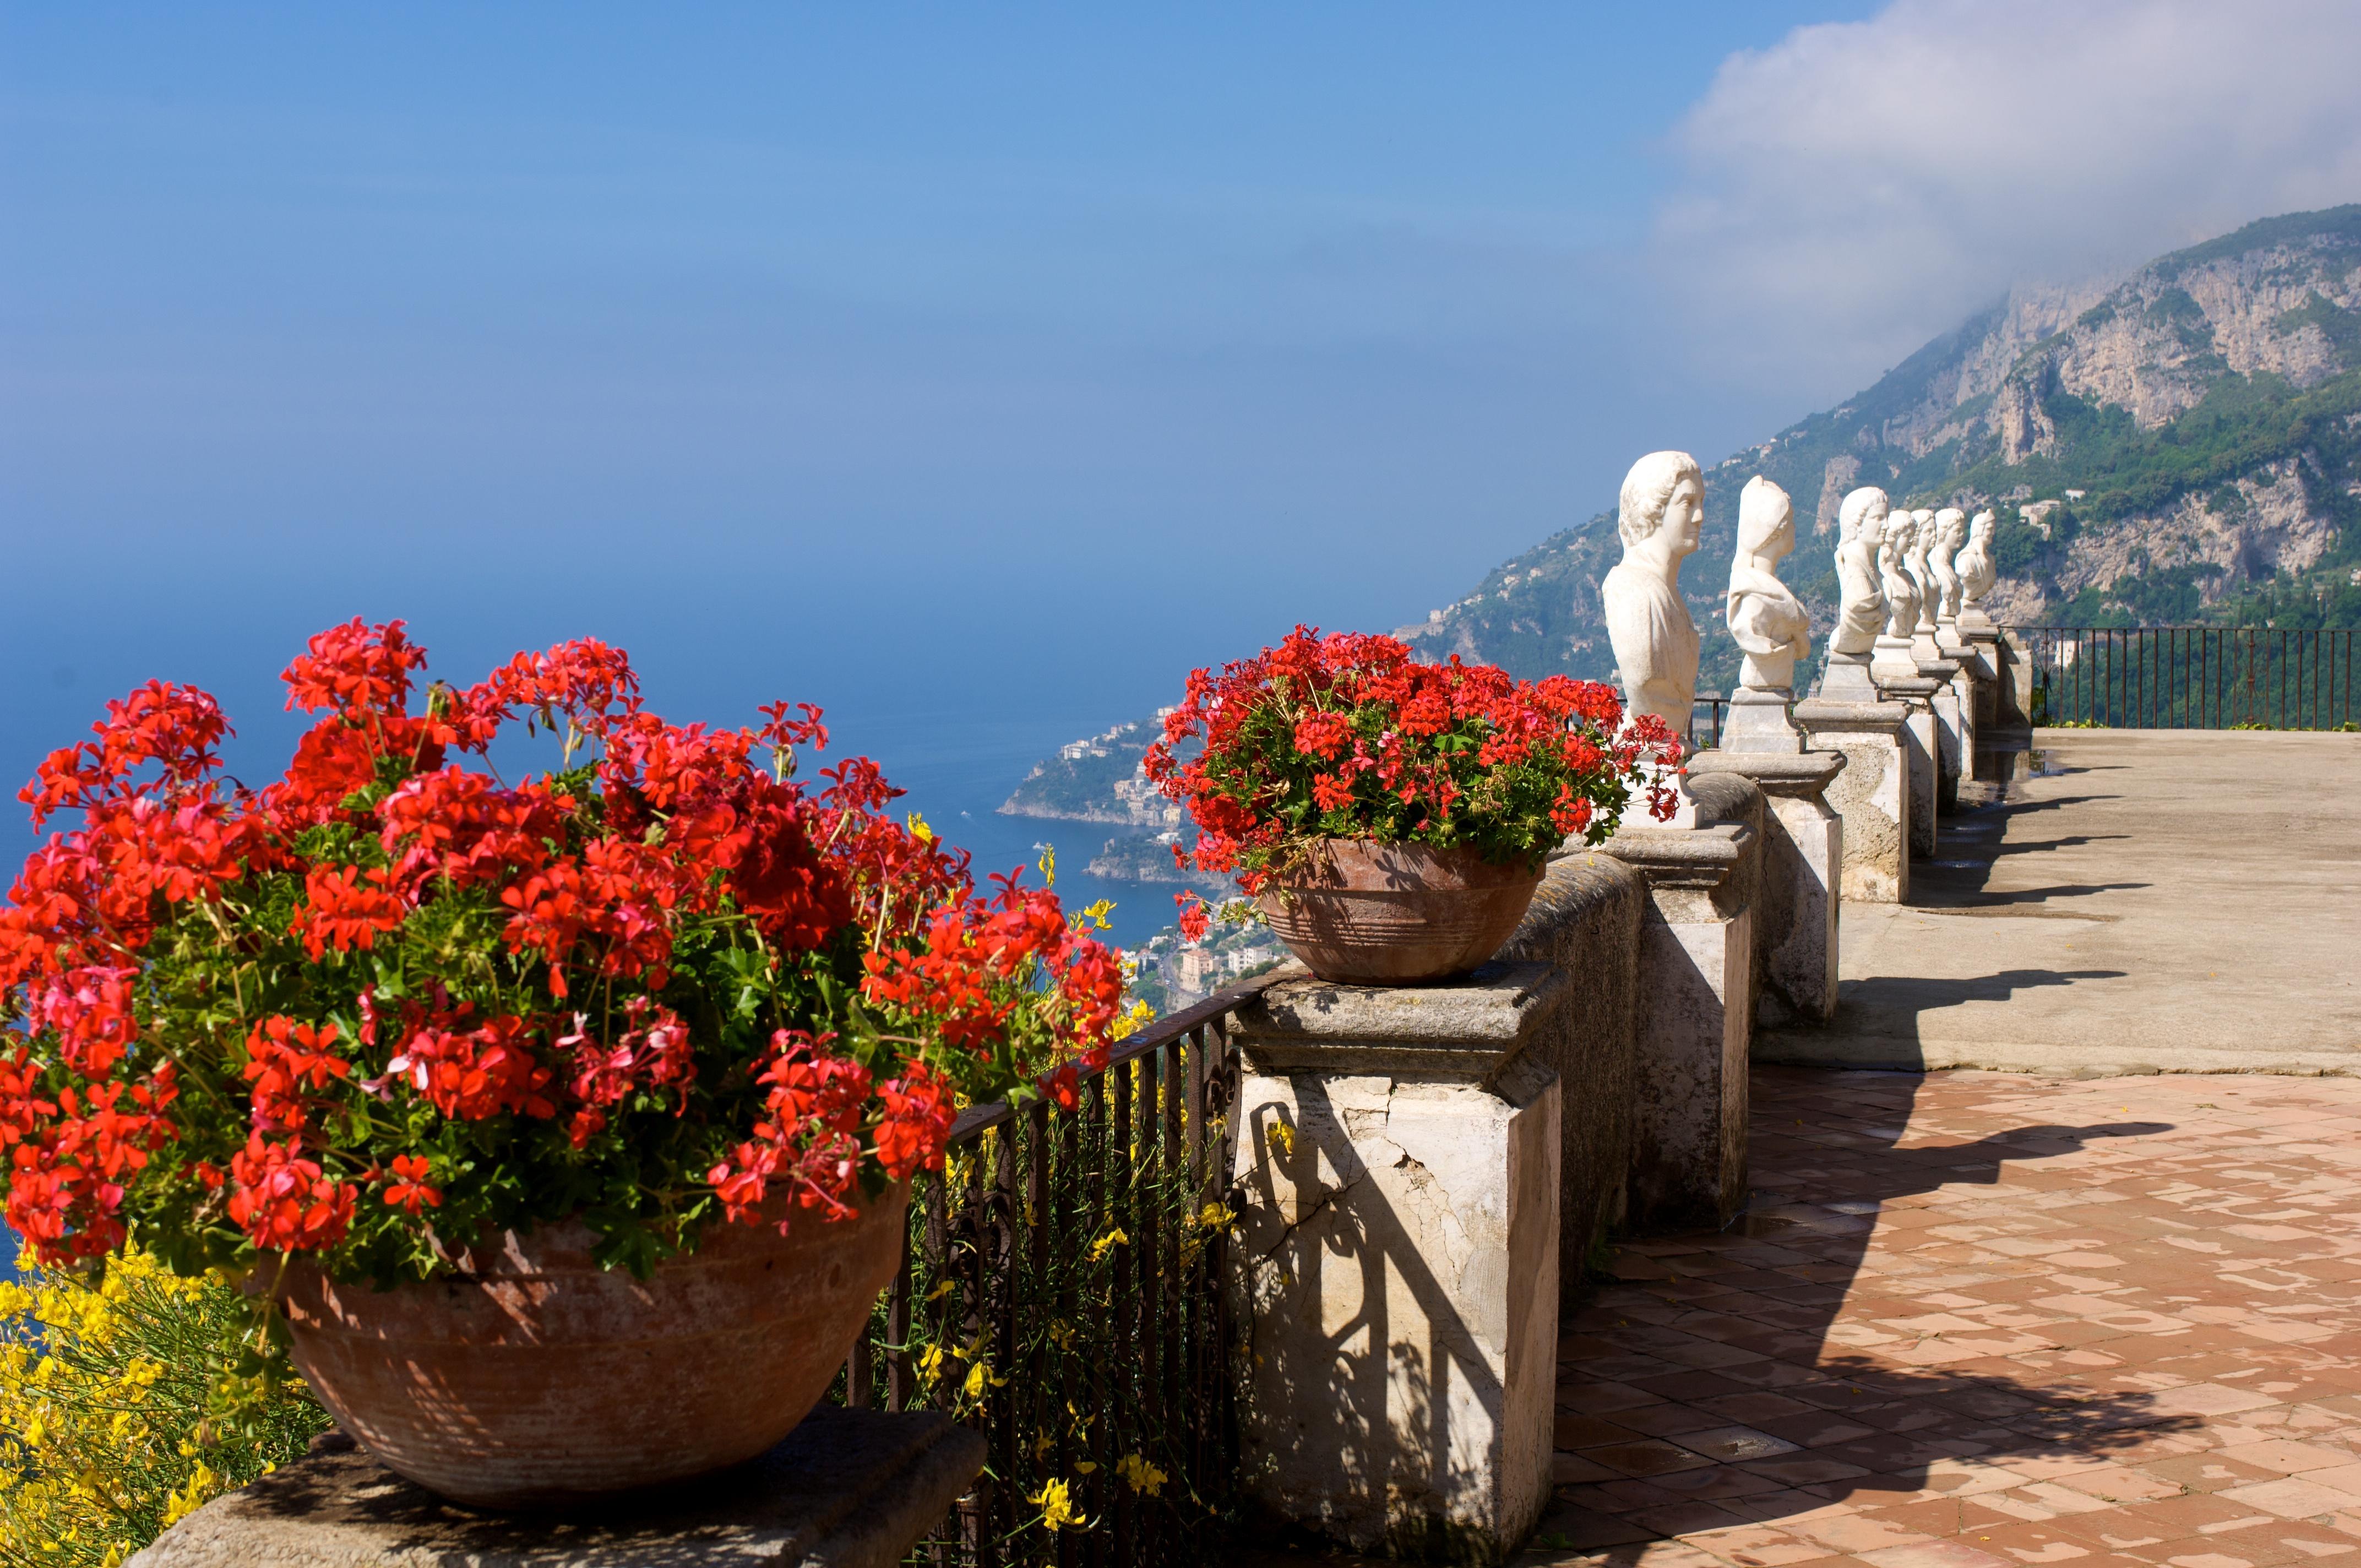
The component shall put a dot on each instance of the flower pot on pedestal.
(1361, 912)
(530, 1378)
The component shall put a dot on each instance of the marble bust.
(1914, 561)
(1895, 659)
(1974, 565)
(1769, 623)
(1655, 642)
(1976, 571)
(1950, 533)
(1860, 598)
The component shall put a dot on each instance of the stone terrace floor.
(1979, 1320)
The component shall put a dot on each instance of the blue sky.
(955, 365)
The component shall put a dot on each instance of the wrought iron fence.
(1714, 702)
(2191, 678)
(1061, 1290)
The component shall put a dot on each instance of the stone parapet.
(1586, 921)
(847, 1489)
(1872, 796)
(1951, 748)
(1926, 750)
(1697, 988)
(1800, 889)
(1396, 1278)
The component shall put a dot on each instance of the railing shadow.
(1393, 1386)
(1709, 1384)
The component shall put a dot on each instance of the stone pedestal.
(1799, 891)
(1585, 920)
(1893, 659)
(2016, 691)
(1983, 664)
(1759, 722)
(1697, 1006)
(1924, 742)
(1397, 1280)
(1847, 679)
(1872, 796)
(847, 1489)
(1950, 732)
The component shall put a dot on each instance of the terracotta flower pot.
(533, 1377)
(1370, 914)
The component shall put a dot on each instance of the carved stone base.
(1848, 679)
(1893, 661)
(1952, 753)
(1697, 1021)
(1398, 1153)
(1925, 749)
(1798, 893)
(1872, 796)
(1759, 724)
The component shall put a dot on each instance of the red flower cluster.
(388, 963)
(1349, 736)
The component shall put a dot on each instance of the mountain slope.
(2205, 406)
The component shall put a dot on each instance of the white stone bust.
(1975, 563)
(1902, 594)
(1769, 623)
(1914, 561)
(1950, 533)
(1655, 642)
(1860, 611)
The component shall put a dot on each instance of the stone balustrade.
(1423, 1170)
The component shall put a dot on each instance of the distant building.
(1197, 969)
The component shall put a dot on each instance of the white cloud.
(1859, 187)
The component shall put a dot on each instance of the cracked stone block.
(1397, 1276)
(1798, 898)
(1872, 796)
(1697, 1004)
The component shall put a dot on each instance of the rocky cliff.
(2156, 444)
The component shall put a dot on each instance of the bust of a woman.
(1860, 529)
(1950, 533)
(1901, 589)
(1655, 641)
(1769, 623)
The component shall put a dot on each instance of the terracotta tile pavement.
(1983, 1319)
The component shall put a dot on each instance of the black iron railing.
(2191, 678)
(1713, 702)
(1061, 1290)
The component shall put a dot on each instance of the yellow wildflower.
(919, 831)
(1107, 1243)
(1056, 1504)
(978, 1376)
(1139, 1475)
(113, 1417)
